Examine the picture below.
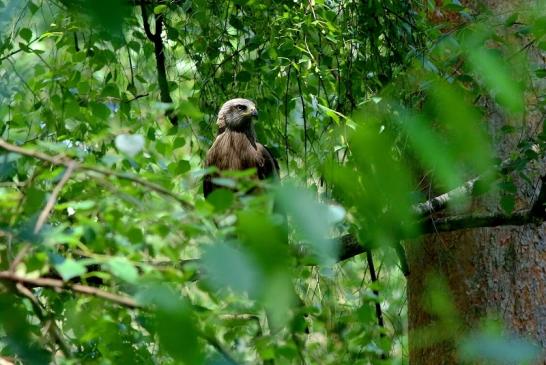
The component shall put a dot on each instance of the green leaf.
(100, 111)
(189, 109)
(174, 323)
(130, 144)
(26, 34)
(183, 166)
(221, 199)
(312, 221)
(227, 266)
(69, 269)
(495, 73)
(541, 73)
(160, 9)
(179, 142)
(244, 76)
(508, 203)
(34, 200)
(123, 269)
(432, 151)
(225, 182)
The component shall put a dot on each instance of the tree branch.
(479, 221)
(12, 53)
(159, 52)
(145, 22)
(136, 98)
(350, 246)
(440, 202)
(469, 188)
(78, 288)
(65, 161)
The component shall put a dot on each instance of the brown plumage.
(235, 146)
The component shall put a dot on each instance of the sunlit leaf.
(311, 220)
(69, 268)
(229, 267)
(491, 68)
(131, 144)
(160, 9)
(123, 269)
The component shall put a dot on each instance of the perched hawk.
(235, 146)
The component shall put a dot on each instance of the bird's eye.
(241, 107)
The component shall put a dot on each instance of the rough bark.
(498, 271)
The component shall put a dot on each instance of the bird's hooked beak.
(254, 112)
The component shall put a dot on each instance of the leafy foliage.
(358, 100)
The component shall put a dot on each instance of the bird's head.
(236, 114)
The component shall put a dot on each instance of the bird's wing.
(270, 166)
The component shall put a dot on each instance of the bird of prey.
(235, 146)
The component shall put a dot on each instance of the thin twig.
(19, 257)
(17, 50)
(136, 97)
(286, 119)
(71, 165)
(159, 52)
(378, 311)
(304, 116)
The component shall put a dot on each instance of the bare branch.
(19, 257)
(145, 22)
(159, 52)
(78, 288)
(350, 246)
(480, 221)
(71, 165)
(378, 311)
(440, 202)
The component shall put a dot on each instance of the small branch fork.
(350, 246)
(159, 52)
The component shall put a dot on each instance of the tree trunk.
(488, 272)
